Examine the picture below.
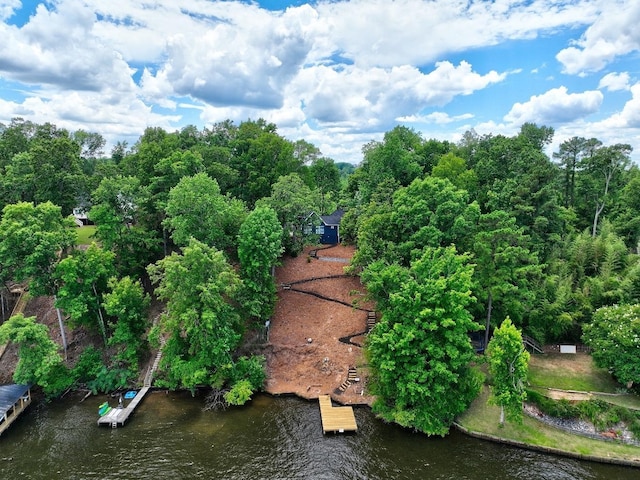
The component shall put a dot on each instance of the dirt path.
(305, 355)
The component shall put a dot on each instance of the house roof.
(9, 395)
(334, 218)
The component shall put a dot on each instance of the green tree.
(293, 201)
(429, 212)
(117, 211)
(326, 178)
(197, 209)
(202, 323)
(83, 279)
(259, 247)
(508, 367)
(614, 337)
(39, 361)
(455, 170)
(504, 269)
(31, 239)
(420, 351)
(50, 170)
(603, 168)
(395, 158)
(260, 156)
(127, 304)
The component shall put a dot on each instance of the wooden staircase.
(352, 375)
(371, 321)
(531, 343)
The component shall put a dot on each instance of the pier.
(118, 416)
(336, 419)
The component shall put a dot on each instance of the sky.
(336, 73)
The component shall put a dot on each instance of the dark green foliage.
(202, 323)
(39, 361)
(508, 366)
(128, 305)
(197, 209)
(429, 212)
(83, 278)
(259, 247)
(420, 352)
(31, 239)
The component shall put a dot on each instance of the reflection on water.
(170, 436)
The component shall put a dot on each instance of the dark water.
(169, 436)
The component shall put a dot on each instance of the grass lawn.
(484, 418)
(570, 372)
(85, 234)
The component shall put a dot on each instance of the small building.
(13, 400)
(331, 224)
(327, 226)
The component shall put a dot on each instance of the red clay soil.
(305, 356)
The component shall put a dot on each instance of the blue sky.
(335, 73)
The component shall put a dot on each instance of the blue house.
(331, 231)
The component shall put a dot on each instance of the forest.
(452, 239)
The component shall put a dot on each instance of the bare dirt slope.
(305, 355)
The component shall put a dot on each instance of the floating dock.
(336, 419)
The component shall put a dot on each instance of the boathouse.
(13, 400)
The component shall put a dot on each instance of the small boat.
(130, 394)
(103, 409)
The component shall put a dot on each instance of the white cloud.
(8, 7)
(555, 106)
(615, 81)
(375, 97)
(439, 118)
(629, 116)
(614, 33)
(384, 33)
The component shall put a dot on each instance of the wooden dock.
(117, 417)
(336, 419)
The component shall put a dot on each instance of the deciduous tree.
(259, 247)
(420, 351)
(508, 366)
(614, 337)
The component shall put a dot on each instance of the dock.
(13, 401)
(336, 419)
(118, 416)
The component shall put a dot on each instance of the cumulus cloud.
(615, 32)
(337, 73)
(384, 33)
(556, 106)
(57, 47)
(615, 81)
(439, 118)
(370, 98)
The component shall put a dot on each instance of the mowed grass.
(570, 372)
(85, 234)
(484, 418)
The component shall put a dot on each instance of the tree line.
(452, 238)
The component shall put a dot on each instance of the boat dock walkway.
(117, 417)
(336, 419)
